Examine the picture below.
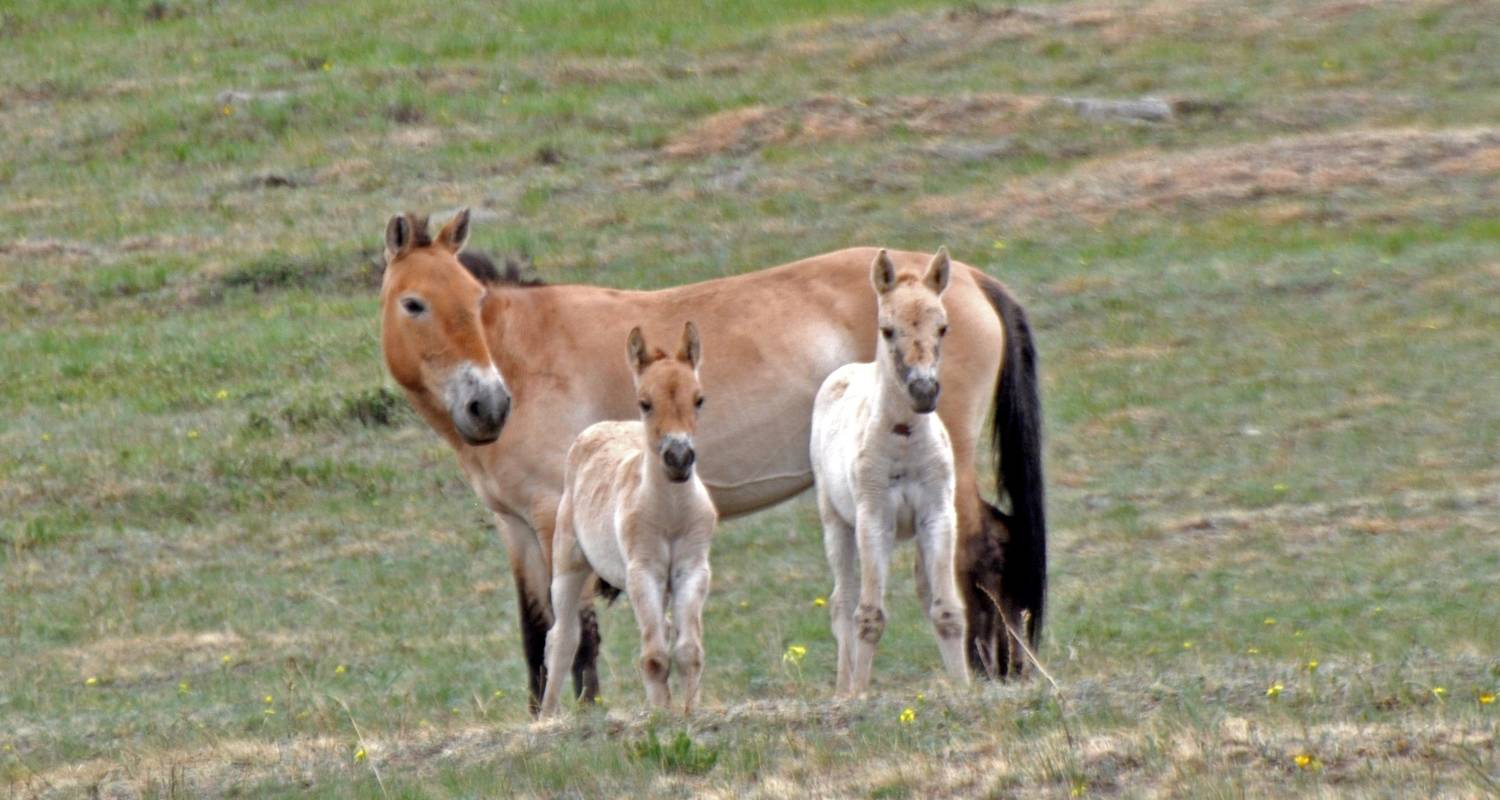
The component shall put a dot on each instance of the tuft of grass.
(681, 754)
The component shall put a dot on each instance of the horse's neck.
(663, 500)
(892, 407)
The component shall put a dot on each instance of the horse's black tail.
(1016, 435)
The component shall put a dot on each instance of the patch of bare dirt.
(830, 117)
(1313, 165)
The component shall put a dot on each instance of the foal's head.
(669, 395)
(432, 327)
(912, 326)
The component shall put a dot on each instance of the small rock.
(1146, 109)
(974, 152)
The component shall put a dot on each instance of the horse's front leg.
(843, 560)
(691, 577)
(646, 583)
(875, 531)
(936, 528)
(528, 565)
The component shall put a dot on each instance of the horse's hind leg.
(562, 640)
(843, 560)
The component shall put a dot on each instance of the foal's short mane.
(478, 264)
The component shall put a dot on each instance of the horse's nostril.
(474, 408)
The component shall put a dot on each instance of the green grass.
(1272, 433)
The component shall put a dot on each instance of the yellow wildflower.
(1270, 621)
(222, 394)
(908, 715)
(921, 696)
(1438, 692)
(46, 437)
(327, 66)
(91, 681)
(1312, 665)
(819, 602)
(192, 434)
(1274, 691)
(499, 693)
(182, 687)
(270, 712)
(1305, 761)
(359, 755)
(340, 669)
(793, 654)
(744, 604)
(1254, 651)
(999, 244)
(268, 699)
(1187, 645)
(228, 111)
(225, 659)
(1487, 698)
(1280, 487)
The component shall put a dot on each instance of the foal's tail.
(1016, 435)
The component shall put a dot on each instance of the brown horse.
(509, 374)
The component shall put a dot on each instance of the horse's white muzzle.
(478, 402)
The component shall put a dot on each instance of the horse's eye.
(888, 333)
(943, 331)
(645, 406)
(413, 306)
(698, 401)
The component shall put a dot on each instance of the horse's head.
(912, 326)
(432, 327)
(669, 395)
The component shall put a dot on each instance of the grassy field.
(234, 562)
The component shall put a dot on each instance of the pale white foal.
(884, 469)
(634, 511)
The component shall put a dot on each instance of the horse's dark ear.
(883, 272)
(937, 271)
(635, 348)
(690, 350)
(398, 237)
(455, 234)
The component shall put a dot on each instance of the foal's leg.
(935, 544)
(646, 583)
(843, 561)
(876, 535)
(690, 581)
(571, 574)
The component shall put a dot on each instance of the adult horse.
(509, 373)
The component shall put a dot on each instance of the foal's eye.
(888, 333)
(645, 406)
(698, 401)
(943, 331)
(413, 306)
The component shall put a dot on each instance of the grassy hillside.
(1264, 287)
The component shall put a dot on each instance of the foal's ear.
(455, 234)
(937, 271)
(399, 237)
(635, 350)
(690, 350)
(883, 272)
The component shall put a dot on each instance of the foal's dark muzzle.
(924, 395)
(677, 456)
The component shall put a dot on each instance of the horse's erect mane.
(478, 264)
(484, 270)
